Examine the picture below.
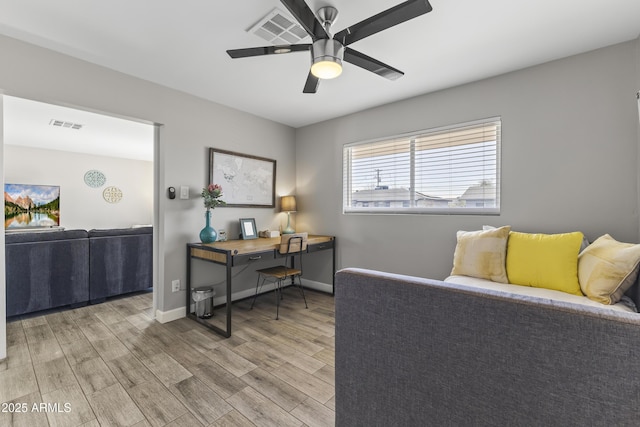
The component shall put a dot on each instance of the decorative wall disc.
(112, 194)
(94, 178)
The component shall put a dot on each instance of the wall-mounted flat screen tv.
(31, 206)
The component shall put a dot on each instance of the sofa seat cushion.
(545, 260)
(624, 304)
(607, 269)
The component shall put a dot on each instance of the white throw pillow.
(607, 268)
(482, 254)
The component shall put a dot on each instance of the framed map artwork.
(247, 181)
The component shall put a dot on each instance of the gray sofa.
(420, 352)
(58, 268)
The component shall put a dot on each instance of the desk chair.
(291, 246)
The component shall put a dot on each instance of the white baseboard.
(171, 315)
(178, 313)
(318, 286)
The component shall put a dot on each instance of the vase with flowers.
(211, 196)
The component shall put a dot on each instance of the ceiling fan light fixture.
(326, 58)
(282, 49)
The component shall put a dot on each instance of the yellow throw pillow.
(547, 261)
(607, 268)
(481, 254)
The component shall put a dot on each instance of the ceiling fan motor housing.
(326, 53)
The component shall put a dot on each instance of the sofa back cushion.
(544, 260)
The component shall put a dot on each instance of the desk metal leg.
(228, 331)
(224, 332)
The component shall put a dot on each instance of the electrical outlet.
(175, 285)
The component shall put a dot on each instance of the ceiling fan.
(327, 51)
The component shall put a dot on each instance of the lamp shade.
(288, 204)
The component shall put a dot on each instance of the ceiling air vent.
(63, 124)
(277, 28)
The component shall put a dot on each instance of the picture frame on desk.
(247, 181)
(248, 228)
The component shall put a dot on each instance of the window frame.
(347, 162)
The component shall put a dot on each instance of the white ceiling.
(28, 123)
(183, 45)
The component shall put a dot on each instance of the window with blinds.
(448, 170)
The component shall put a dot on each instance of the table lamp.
(288, 205)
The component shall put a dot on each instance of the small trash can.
(203, 297)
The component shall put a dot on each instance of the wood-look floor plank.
(79, 410)
(233, 419)
(326, 374)
(79, 351)
(301, 360)
(110, 317)
(286, 396)
(94, 375)
(114, 407)
(110, 348)
(16, 355)
(15, 334)
(95, 330)
(129, 371)
(254, 352)
(25, 416)
(187, 420)
(218, 379)
(231, 361)
(203, 341)
(185, 354)
(306, 383)
(326, 356)
(260, 410)
(157, 404)
(16, 382)
(140, 320)
(314, 414)
(39, 333)
(54, 374)
(33, 320)
(166, 368)
(203, 402)
(41, 351)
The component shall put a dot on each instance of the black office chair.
(291, 246)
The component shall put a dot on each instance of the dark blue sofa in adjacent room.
(50, 269)
(46, 270)
(120, 261)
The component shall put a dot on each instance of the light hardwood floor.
(110, 364)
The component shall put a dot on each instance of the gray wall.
(189, 126)
(569, 161)
(81, 206)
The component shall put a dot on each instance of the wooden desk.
(239, 252)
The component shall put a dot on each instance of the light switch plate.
(184, 192)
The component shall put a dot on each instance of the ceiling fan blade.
(311, 85)
(306, 18)
(383, 20)
(370, 64)
(268, 50)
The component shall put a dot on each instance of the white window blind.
(453, 169)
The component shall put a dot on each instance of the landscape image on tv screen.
(27, 205)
